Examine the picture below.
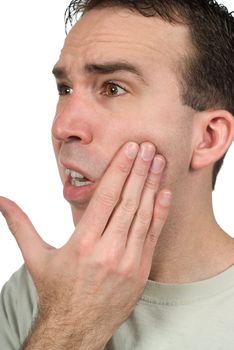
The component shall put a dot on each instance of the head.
(158, 71)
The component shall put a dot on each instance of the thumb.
(32, 246)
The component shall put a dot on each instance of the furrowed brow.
(103, 69)
(113, 67)
(59, 72)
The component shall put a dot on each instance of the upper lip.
(78, 170)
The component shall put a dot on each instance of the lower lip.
(78, 194)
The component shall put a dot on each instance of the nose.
(72, 121)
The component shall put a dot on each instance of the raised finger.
(161, 211)
(144, 215)
(123, 216)
(107, 194)
(32, 246)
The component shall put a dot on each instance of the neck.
(192, 246)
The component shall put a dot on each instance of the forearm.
(54, 334)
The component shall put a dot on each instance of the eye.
(64, 90)
(113, 90)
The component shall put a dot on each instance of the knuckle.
(107, 196)
(144, 216)
(139, 171)
(107, 264)
(13, 226)
(150, 184)
(120, 227)
(100, 264)
(140, 235)
(153, 236)
(128, 272)
(15, 221)
(84, 247)
(124, 168)
(129, 205)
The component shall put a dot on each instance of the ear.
(213, 135)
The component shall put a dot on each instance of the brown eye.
(112, 89)
(64, 90)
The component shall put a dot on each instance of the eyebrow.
(104, 69)
(59, 72)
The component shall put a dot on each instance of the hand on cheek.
(109, 256)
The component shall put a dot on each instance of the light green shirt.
(194, 316)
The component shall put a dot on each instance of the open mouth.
(77, 179)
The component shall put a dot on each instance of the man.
(145, 111)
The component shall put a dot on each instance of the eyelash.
(105, 84)
(62, 87)
(111, 82)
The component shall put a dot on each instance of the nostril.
(73, 138)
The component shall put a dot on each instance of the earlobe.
(213, 135)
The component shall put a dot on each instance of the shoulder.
(20, 288)
(18, 305)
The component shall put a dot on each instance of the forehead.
(116, 33)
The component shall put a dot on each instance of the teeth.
(77, 179)
(73, 174)
(77, 183)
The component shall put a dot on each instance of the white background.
(31, 39)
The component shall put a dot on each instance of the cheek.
(56, 147)
(177, 149)
(173, 141)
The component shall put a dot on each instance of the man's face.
(120, 82)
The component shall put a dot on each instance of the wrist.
(59, 334)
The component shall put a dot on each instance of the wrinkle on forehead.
(106, 34)
(122, 26)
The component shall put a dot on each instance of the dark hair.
(208, 75)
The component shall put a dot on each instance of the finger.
(30, 243)
(144, 215)
(123, 216)
(161, 211)
(107, 194)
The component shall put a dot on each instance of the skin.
(101, 122)
(191, 142)
(124, 232)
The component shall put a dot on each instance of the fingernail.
(131, 150)
(165, 199)
(147, 152)
(157, 165)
